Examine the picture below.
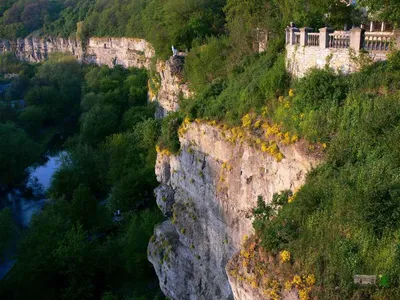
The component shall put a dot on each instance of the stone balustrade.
(306, 49)
(355, 38)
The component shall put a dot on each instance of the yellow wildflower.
(294, 139)
(310, 279)
(257, 124)
(279, 157)
(296, 280)
(264, 147)
(291, 93)
(284, 256)
(288, 285)
(303, 294)
(246, 121)
(245, 238)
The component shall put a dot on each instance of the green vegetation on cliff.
(344, 220)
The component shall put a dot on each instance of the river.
(24, 208)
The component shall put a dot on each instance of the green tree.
(206, 63)
(8, 231)
(32, 119)
(57, 89)
(131, 165)
(76, 264)
(17, 152)
(83, 164)
(388, 10)
(83, 207)
(134, 242)
(39, 278)
(98, 123)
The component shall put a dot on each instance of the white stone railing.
(378, 41)
(355, 39)
(313, 39)
(339, 39)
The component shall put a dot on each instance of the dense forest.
(73, 249)
(344, 221)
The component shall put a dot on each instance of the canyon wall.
(128, 52)
(208, 191)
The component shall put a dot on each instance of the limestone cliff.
(208, 191)
(172, 86)
(128, 52)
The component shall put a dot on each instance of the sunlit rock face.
(128, 52)
(172, 86)
(208, 191)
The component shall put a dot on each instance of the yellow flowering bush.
(163, 152)
(184, 127)
(310, 279)
(296, 280)
(294, 139)
(284, 256)
(304, 294)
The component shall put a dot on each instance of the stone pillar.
(304, 35)
(324, 37)
(287, 35)
(292, 35)
(356, 39)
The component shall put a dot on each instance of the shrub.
(169, 138)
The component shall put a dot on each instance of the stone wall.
(208, 191)
(300, 59)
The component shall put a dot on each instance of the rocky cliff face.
(172, 86)
(127, 52)
(208, 191)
